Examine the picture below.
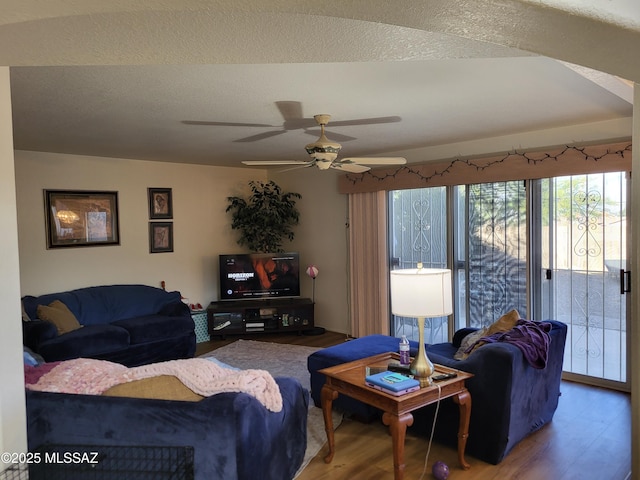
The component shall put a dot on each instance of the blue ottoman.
(347, 352)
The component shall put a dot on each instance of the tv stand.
(244, 317)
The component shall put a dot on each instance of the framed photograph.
(79, 218)
(160, 203)
(160, 237)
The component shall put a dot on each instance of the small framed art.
(160, 203)
(160, 237)
(79, 218)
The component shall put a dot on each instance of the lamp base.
(421, 373)
(421, 367)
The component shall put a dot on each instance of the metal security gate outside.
(584, 274)
(418, 233)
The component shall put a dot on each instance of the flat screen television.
(259, 276)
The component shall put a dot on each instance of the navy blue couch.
(128, 324)
(510, 399)
(233, 435)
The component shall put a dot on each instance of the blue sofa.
(233, 435)
(128, 324)
(510, 399)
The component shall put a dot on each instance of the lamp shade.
(312, 271)
(421, 292)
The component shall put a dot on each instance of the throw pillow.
(60, 315)
(503, 324)
(162, 387)
(467, 341)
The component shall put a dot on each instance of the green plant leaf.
(265, 218)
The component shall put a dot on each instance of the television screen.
(259, 275)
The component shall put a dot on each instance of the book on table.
(393, 383)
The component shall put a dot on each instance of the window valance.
(568, 160)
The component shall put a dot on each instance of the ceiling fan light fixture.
(323, 152)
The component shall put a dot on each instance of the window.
(489, 234)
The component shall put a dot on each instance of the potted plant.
(265, 218)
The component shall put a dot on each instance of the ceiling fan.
(324, 155)
(294, 119)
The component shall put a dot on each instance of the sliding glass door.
(418, 233)
(488, 238)
(551, 249)
(490, 257)
(583, 273)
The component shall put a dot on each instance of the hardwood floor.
(589, 438)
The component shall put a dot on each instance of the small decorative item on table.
(372, 370)
(393, 383)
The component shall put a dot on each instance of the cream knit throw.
(206, 378)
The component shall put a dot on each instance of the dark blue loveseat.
(510, 399)
(234, 437)
(128, 324)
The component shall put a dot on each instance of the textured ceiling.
(152, 112)
(146, 79)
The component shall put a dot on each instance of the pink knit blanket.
(206, 378)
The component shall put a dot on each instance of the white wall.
(13, 437)
(321, 239)
(201, 226)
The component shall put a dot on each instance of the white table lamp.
(421, 293)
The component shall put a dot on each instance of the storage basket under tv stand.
(248, 317)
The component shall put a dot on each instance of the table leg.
(463, 399)
(327, 395)
(398, 427)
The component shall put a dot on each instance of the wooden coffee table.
(348, 379)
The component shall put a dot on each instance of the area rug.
(281, 360)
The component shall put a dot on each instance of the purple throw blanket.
(530, 337)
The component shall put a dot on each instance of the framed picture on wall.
(79, 218)
(160, 237)
(160, 203)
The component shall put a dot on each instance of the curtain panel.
(368, 265)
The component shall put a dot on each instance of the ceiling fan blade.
(259, 163)
(225, 124)
(375, 160)
(349, 167)
(366, 121)
(290, 110)
(260, 136)
(298, 167)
